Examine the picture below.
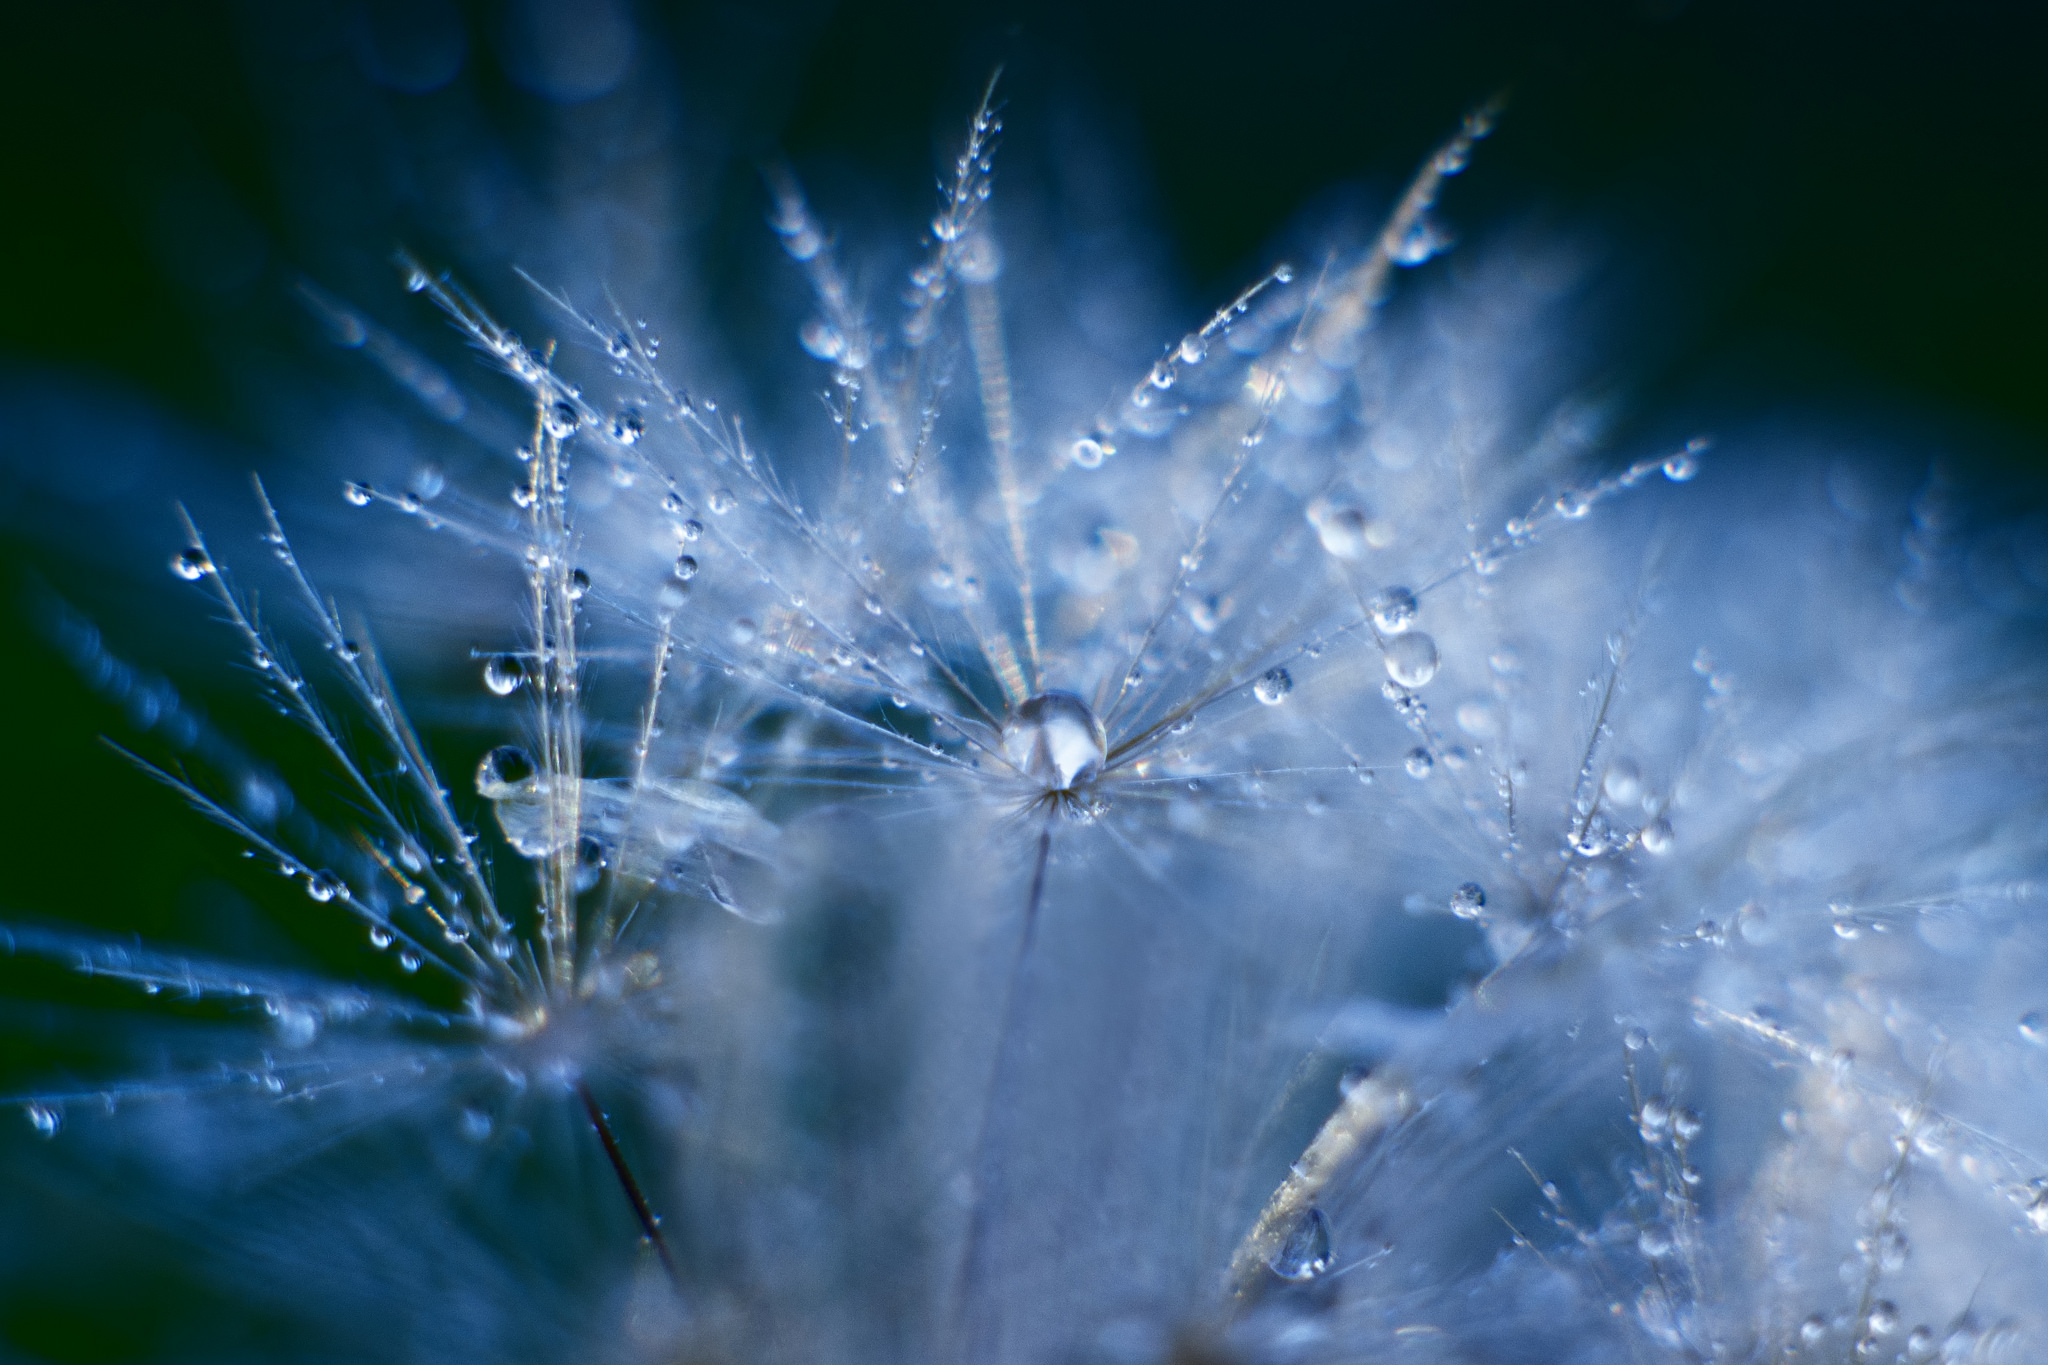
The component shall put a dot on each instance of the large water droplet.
(380, 937)
(1468, 901)
(1393, 610)
(1274, 687)
(325, 886)
(1411, 659)
(1656, 837)
(686, 567)
(357, 494)
(191, 564)
(504, 674)
(408, 961)
(1623, 782)
(562, 421)
(1418, 763)
(822, 339)
(1306, 1252)
(1055, 740)
(502, 769)
(1342, 528)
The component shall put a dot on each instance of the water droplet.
(1572, 504)
(1087, 452)
(415, 280)
(502, 769)
(628, 426)
(325, 886)
(191, 564)
(1055, 740)
(1162, 376)
(1813, 1329)
(1343, 529)
(502, 947)
(822, 339)
(357, 494)
(1283, 274)
(522, 496)
(1392, 609)
(1656, 837)
(1468, 901)
(1306, 1252)
(1920, 1341)
(744, 630)
(1884, 1317)
(1622, 782)
(2034, 1028)
(686, 567)
(504, 674)
(1635, 1040)
(1681, 467)
(562, 421)
(1193, 349)
(1655, 1241)
(380, 937)
(455, 932)
(579, 584)
(1422, 240)
(1687, 1124)
(1418, 763)
(1655, 1119)
(721, 501)
(1411, 659)
(1274, 687)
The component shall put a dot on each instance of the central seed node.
(1055, 740)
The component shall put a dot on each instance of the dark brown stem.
(650, 1222)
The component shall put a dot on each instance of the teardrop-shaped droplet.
(504, 674)
(1411, 659)
(1306, 1252)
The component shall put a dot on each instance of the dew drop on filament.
(1393, 610)
(504, 674)
(191, 564)
(1055, 740)
(1274, 687)
(1411, 659)
(1305, 1253)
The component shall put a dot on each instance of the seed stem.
(650, 1222)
